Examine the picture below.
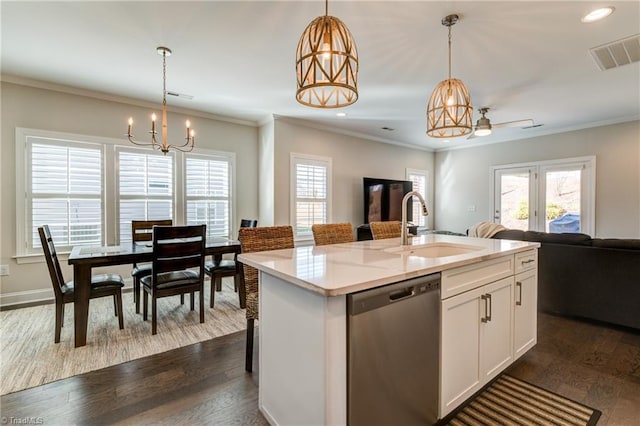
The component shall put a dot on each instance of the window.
(420, 179)
(208, 192)
(310, 193)
(64, 186)
(551, 196)
(145, 187)
(88, 189)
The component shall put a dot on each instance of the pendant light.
(449, 111)
(327, 64)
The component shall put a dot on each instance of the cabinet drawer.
(526, 260)
(465, 278)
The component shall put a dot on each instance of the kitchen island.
(303, 337)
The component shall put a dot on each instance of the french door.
(552, 196)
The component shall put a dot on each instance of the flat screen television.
(383, 199)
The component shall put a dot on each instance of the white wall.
(266, 152)
(462, 177)
(352, 159)
(37, 108)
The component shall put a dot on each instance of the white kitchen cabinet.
(525, 304)
(496, 333)
(460, 349)
(477, 333)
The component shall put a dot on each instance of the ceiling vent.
(617, 53)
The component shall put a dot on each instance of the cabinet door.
(460, 345)
(525, 312)
(496, 332)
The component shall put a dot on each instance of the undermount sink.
(434, 249)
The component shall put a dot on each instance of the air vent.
(180, 95)
(617, 53)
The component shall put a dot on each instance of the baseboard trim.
(25, 299)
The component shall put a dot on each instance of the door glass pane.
(513, 210)
(562, 201)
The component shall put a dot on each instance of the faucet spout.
(404, 238)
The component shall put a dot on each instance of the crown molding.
(39, 84)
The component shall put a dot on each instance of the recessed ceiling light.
(341, 114)
(597, 14)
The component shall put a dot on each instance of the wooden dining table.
(84, 258)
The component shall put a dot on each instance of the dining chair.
(101, 285)
(142, 231)
(254, 240)
(217, 269)
(332, 233)
(175, 250)
(382, 230)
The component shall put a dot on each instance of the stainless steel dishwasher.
(393, 353)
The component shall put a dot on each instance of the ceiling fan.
(484, 127)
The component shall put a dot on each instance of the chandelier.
(164, 147)
(449, 111)
(327, 64)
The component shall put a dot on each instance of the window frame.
(110, 190)
(416, 202)
(118, 197)
(311, 160)
(230, 158)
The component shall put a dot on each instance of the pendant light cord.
(449, 51)
(326, 7)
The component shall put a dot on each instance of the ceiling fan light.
(483, 125)
(327, 64)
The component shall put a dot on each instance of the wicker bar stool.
(332, 233)
(382, 230)
(253, 240)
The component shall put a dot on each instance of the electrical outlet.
(4, 270)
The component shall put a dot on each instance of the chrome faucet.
(404, 238)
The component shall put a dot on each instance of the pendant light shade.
(327, 64)
(449, 110)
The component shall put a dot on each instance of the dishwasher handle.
(398, 295)
(367, 300)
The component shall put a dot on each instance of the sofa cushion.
(616, 243)
(551, 238)
(510, 234)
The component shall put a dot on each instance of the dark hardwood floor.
(594, 364)
(206, 383)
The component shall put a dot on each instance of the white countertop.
(339, 269)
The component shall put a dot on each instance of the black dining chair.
(101, 285)
(218, 269)
(176, 249)
(142, 231)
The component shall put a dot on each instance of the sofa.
(586, 277)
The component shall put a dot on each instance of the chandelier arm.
(179, 147)
(133, 140)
